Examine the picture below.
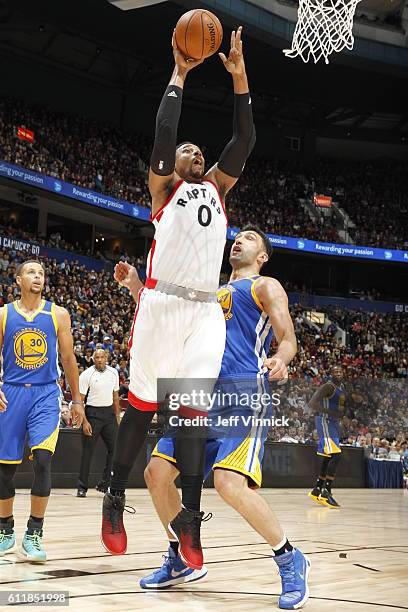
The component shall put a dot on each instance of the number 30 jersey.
(190, 236)
(30, 345)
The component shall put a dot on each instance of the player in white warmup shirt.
(178, 331)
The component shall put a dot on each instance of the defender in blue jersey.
(255, 308)
(328, 403)
(32, 331)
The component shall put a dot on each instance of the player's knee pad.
(42, 472)
(7, 471)
(334, 462)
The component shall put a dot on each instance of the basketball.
(198, 34)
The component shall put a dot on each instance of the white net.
(323, 27)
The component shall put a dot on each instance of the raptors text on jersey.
(190, 236)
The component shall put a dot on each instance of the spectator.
(124, 389)
(66, 416)
(374, 194)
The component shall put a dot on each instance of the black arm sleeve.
(232, 159)
(163, 155)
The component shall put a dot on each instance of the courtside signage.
(94, 198)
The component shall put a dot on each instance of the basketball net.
(323, 27)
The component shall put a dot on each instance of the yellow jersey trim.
(236, 460)
(255, 297)
(49, 443)
(54, 317)
(330, 448)
(30, 318)
(257, 481)
(7, 461)
(156, 453)
(4, 318)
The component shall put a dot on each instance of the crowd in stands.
(374, 359)
(375, 419)
(100, 157)
(56, 241)
(375, 196)
(11, 229)
(374, 356)
(74, 149)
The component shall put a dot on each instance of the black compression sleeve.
(237, 151)
(164, 149)
(132, 433)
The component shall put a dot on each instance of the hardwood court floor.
(371, 529)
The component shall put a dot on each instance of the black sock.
(287, 547)
(120, 492)
(320, 483)
(7, 523)
(174, 545)
(191, 492)
(328, 485)
(190, 454)
(34, 523)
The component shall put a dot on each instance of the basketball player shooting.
(178, 329)
(255, 309)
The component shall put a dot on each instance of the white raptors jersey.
(190, 236)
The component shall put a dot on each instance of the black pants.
(104, 424)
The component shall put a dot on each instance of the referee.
(99, 388)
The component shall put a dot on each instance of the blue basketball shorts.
(329, 436)
(32, 412)
(236, 432)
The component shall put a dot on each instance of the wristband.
(76, 402)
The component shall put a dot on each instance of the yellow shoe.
(314, 494)
(326, 499)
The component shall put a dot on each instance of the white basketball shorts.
(172, 337)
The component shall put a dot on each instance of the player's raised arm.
(69, 363)
(232, 160)
(275, 303)
(162, 161)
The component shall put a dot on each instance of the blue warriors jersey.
(249, 331)
(30, 345)
(335, 403)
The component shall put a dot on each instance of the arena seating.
(374, 356)
(270, 190)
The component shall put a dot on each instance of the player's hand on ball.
(3, 402)
(185, 63)
(277, 368)
(234, 63)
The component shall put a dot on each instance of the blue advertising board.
(94, 198)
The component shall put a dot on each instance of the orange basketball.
(198, 34)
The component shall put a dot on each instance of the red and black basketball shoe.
(186, 528)
(113, 533)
